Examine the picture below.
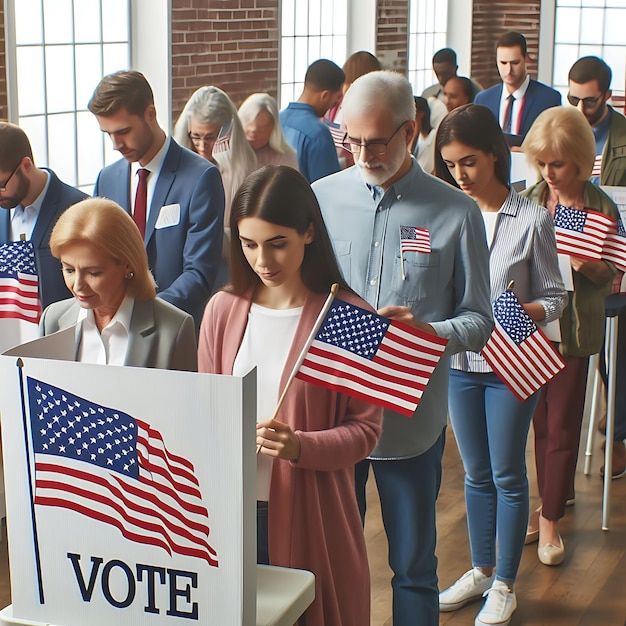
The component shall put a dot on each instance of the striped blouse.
(523, 250)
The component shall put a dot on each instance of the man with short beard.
(443, 290)
(589, 91)
(34, 198)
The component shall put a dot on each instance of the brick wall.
(232, 44)
(4, 111)
(392, 19)
(493, 18)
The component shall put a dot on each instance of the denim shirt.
(447, 288)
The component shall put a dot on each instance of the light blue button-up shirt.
(447, 288)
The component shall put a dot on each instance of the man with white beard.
(442, 289)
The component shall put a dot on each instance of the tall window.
(589, 27)
(428, 25)
(57, 52)
(310, 30)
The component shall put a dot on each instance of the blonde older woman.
(561, 145)
(210, 115)
(118, 318)
(259, 117)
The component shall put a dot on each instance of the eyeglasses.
(3, 186)
(377, 148)
(197, 140)
(587, 102)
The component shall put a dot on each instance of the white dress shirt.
(154, 167)
(518, 105)
(108, 347)
(23, 219)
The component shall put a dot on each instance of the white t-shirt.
(490, 218)
(265, 345)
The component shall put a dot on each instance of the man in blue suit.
(519, 99)
(34, 199)
(183, 196)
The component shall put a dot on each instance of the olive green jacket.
(582, 321)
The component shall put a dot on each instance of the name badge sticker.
(169, 215)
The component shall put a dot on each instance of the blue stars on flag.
(512, 317)
(354, 329)
(67, 426)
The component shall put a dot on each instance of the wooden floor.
(588, 589)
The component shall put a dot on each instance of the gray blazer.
(160, 335)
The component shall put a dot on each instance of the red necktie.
(508, 115)
(141, 201)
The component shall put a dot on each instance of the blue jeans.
(408, 490)
(491, 427)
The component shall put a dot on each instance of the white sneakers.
(471, 586)
(498, 607)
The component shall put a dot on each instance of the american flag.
(222, 144)
(413, 239)
(581, 233)
(19, 284)
(596, 172)
(336, 132)
(615, 246)
(517, 351)
(367, 356)
(111, 467)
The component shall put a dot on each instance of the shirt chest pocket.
(419, 278)
(342, 252)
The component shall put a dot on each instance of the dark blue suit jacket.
(185, 256)
(58, 198)
(539, 97)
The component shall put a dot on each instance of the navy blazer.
(185, 256)
(539, 97)
(59, 197)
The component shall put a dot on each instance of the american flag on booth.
(336, 132)
(581, 233)
(116, 469)
(19, 283)
(413, 239)
(367, 356)
(614, 249)
(518, 351)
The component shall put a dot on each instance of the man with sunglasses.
(589, 91)
(34, 198)
(442, 288)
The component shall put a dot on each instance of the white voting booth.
(131, 499)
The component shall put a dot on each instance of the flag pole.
(402, 263)
(318, 322)
(510, 285)
(20, 366)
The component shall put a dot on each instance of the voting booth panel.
(127, 494)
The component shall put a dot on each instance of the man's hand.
(403, 314)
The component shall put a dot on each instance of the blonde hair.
(105, 225)
(255, 104)
(566, 133)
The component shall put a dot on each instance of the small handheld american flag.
(364, 355)
(518, 351)
(581, 233)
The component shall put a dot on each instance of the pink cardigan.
(314, 522)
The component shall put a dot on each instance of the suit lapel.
(69, 318)
(142, 334)
(163, 186)
(49, 208)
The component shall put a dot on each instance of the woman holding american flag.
(490, 416)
